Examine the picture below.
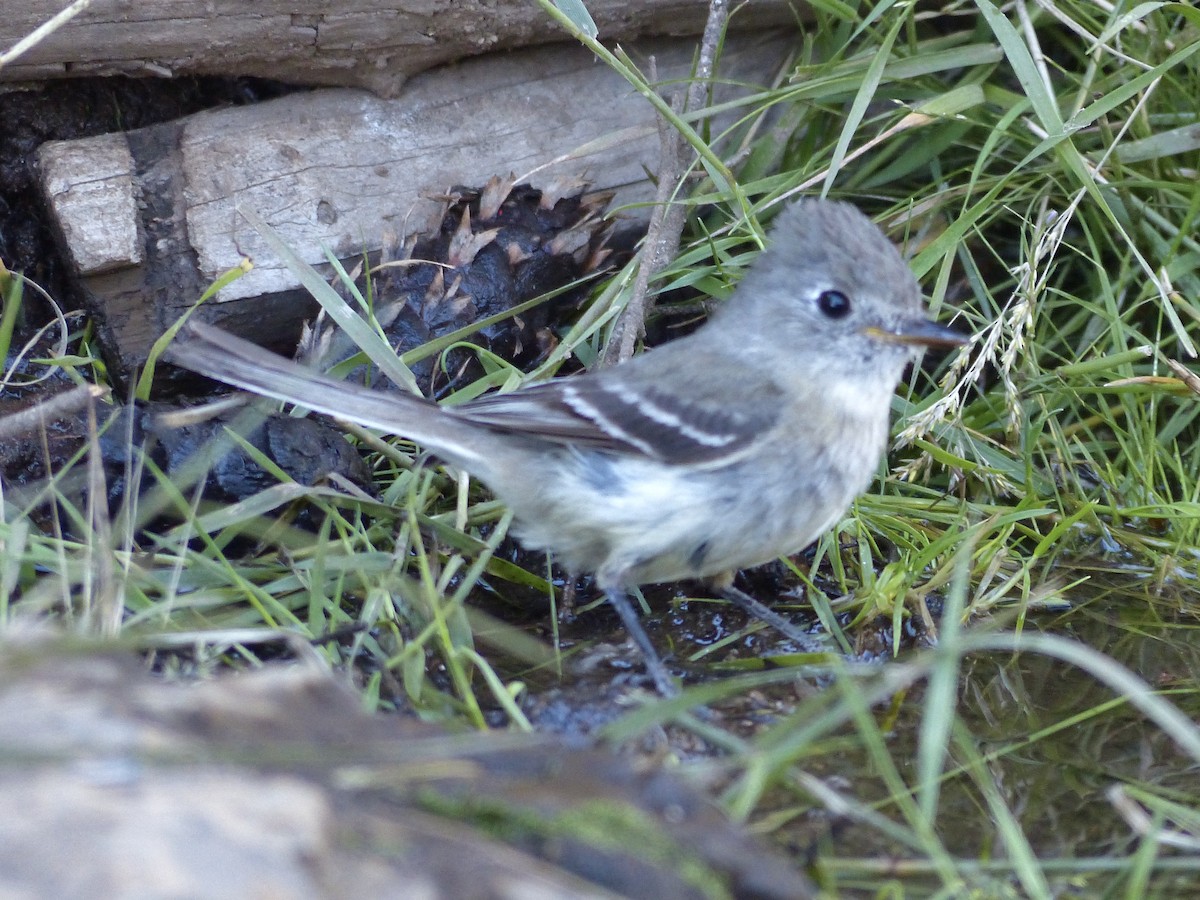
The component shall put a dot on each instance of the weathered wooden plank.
(357, 43)
(90, 186)
(341, 168)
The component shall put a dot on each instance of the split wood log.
(354, 43)
(152, 217)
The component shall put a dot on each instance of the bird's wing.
(683, 425)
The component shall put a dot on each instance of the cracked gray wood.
(356, 43)
(339, 168)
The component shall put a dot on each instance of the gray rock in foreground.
(274, 784)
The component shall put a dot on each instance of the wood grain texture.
(356, 43)
(342, 168)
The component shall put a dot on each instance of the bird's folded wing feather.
(626, 417)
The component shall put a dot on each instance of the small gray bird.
(722, 450)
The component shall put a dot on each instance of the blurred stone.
(274, 784)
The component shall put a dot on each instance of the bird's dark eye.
(834, 304)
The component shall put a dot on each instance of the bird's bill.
(920, 332)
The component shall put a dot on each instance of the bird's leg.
(764, 613)
(619, 599)
(566, 605)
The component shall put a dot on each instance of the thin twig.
(19, 423)
(659, 247)
(666, 222)
(43, 31)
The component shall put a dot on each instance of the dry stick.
(43, 31)
(660, 246)
(16, 424)
(666, 222)
(105, 605)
